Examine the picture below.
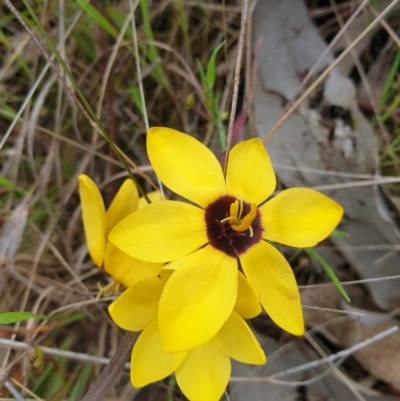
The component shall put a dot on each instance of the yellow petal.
(125, 202)
(125, 269)
(137, 306)
(150, 362)
(185, 165)
(248, 300)
(93, 216)
(237, 341)
(154, 196)
(250, 175)
(204, 374)
(197, 299)
(272, 276)
(161, 232)
(299, 217)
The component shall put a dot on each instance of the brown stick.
(109, 375)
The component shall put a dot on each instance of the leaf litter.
(327, 142)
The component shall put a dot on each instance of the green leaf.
(328, 270)
(211, 66)
(14, 317)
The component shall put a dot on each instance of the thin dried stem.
(331, 358)
(74, 356)
(236, 82)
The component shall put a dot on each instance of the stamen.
(231, 219)
(245, 223)
(240, 208)
(234, 209)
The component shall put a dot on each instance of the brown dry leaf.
(382, 358)
(278, 360)
(332, 389)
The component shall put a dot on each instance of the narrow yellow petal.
(299, 217)
(204, 374)
(248, 300)
(197, 299)
(93, 216)
(125, 269)
(250, 175)
(125, 202)
(237, 341)
(271, 275)
(154, 196)
(161, 232)
(150, 363)
(185, 165)
(137, 306)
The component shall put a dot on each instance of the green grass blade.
(391, 76)
(202, 73)
(390, 110)
(211, 66)
(134, 91)
(97, 18)
(340, 234)
(6, 183)
(84, 45)
(328, 270)
(147, 29)
(80, 385)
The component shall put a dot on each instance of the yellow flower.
(203, 372)
(98, 223)
(228, 227)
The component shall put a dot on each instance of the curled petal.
(271, 275)
(197, 299)
(185, 165)
(150, 363)
(248, 300)
(204, 374)
(237, 340)
(250, 174)
(125, 269)
(161, 232)
(299, 217)
(125, 202)
(93, 216)
(137, 306)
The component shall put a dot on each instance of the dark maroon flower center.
(233, 226)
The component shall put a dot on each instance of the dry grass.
(47, 142)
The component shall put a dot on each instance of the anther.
(245, 223)
(234, 210)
